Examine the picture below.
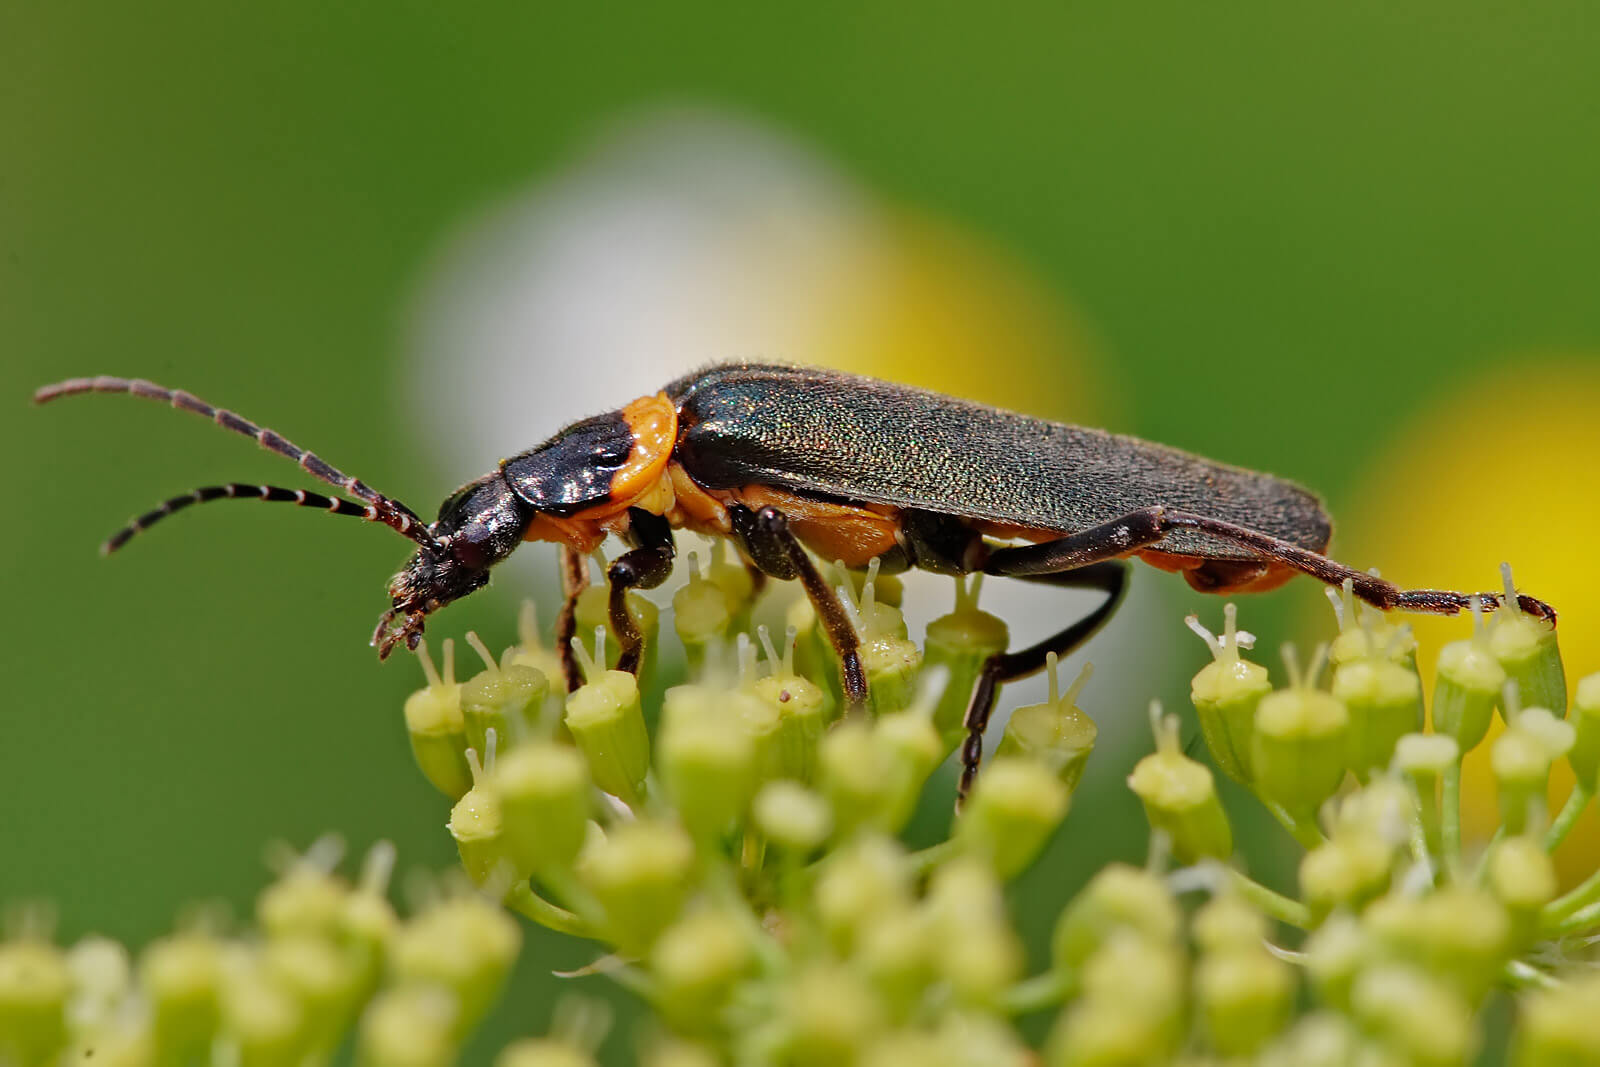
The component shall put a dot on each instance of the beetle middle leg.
(644, 566)
(574, 580)
(1107, 576)
(766, 538)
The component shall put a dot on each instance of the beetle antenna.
(205, 494)
(386, 510)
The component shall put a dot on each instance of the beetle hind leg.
(1109, 577)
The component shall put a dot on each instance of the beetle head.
(478, 526)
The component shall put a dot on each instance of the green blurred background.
(1287, 227)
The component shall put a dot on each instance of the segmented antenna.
(380, 508)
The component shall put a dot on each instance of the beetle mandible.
(783, 458)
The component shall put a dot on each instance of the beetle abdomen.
(848, 437)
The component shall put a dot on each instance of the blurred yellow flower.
(1503, 469)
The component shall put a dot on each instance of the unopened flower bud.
(665, 1051)
(1458, 933)
(1348, 871)
(1120, 897)
(1245, 997)
(792, 817)
(508, 700)
(1521, 761)
(531, 651)
(1015, 808)
(975, 949)
(607, 723)
(1336, 952)
(1467, 686)
(1056, 733)
(367, 920)
(1321, 1039)
(544, 1052)
(1522, 877)
(639, 872)
(1135, 974)
(1297, 753)
(1227, 921)
(408, 1026)
(543, 790)
(867, 782)
(306, 898)
(888, 659)
(464, 944)
(477, 827)
(1103, 1034)
(1179, 796)
(436, 727)
(1426, 1021)
(1526, 648)
(1384, 699)
(701, 615)
(858, 884)
(827, 1015)
(708, 765)
(322, 979)
(961, 642)
(697, 961)
(35, 983)
(804, 710)
(1585, 754)
(262, 1020)
(1225, 694)
(896, 953)
(181, 977)
(1367, 633)
(1556, 1026)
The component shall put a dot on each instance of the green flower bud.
(1384, 699)
(181, 977)
(975, 950)
(697, 962)
(324, 981)
(1526, 648)
(827, 1015)
(1467, 686)
(544, 1052)
(1458, 933)
(1179, 796)
(1521, 763)
(1118, 898)
(1225, 694)
(666, 1051)
(911, 735)
(1015, 808)
(1426, 1021)
(1556, 1026)
(593, 612)
(411, 1026)
(1245, 997)
(1297, 753)
(1522, 877)
(639, 873)
(1321, 1039)
(738, 584)
(1367, 633)
(607, 723)
(1424, 759)
(263, 1021)
(1131, 973)
(708, 765)
(974, 1040)
(859, 884)
(1102, 1034)
(101, 977)
(1349, 871)
(464, 944)
(792, 817)
(890, 661)
(908, 1048)
(1227, 921)
(478, 829)
(897, 953)
(1585, 754)
(543, 790)
(866, 780)
(1056, 733)
(530, 651)
(701, 615)
(507, 700)
(306, 898)
(1336, 952)
(804, 710)
(961, 642)
(34, 986)
(367, 920)
(436, 727)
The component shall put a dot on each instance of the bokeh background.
(1357, 245)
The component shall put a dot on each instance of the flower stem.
(525, 902)
(1450, 819)
(1272, 903)
(1303, 829)
(1577, 800)
(1039, 993)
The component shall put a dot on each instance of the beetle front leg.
(643, 567)
(574, 580)
(1109, 577)
(766, 538)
